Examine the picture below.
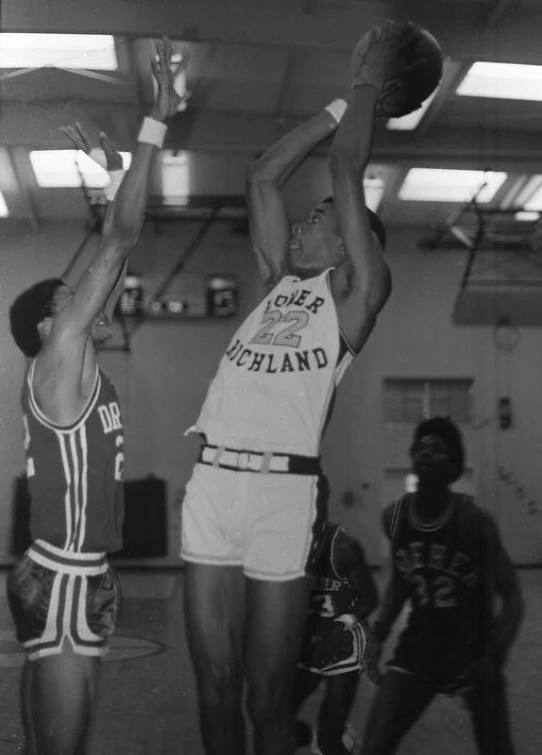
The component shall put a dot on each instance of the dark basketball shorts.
(56, 596)
(440, 660)
(320, 656)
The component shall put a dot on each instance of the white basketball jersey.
(276, 379)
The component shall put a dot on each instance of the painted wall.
(163, 380)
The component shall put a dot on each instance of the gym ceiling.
(256, 68)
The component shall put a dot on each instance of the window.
(415, 399)
(175, 175)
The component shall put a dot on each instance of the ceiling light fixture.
(62, 169)
(509, 81)
(71, 51)
(450, 185)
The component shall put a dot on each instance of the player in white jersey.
(250, 505)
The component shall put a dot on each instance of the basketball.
(418, 82)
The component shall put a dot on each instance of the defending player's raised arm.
(123, 221)
(108, 158)
(353, 565)
(502, 574)
(268, 216)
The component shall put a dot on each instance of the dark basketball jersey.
(331, 593)
(442, 566)
(75, 473)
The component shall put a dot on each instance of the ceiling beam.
(36, 126)
(497, 10)
(282, 23)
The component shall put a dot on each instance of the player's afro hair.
(377, 226)
(448, 431)
(28, 310)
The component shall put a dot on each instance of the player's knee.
(376, 741)
(268, 699)
(221, 687)
(373, 747)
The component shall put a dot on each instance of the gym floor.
(147, 703)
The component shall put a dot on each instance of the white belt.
(245, 460)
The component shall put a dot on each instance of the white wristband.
(152, 132)
(348, 619)
(115, 180)
(336, 109)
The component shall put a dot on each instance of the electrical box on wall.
(131, 302)
(185, 297)
(222, 295)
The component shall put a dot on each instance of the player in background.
(62, 593)
(343, 595)
(450, 564)
(251, 502)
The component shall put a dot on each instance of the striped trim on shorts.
(58, 596)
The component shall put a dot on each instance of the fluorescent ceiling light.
(508, 81)
(4, 212)
(373, 188)
(73, 51)
(443, 185)
(410, 122)
(526, 216)
(59, 168)
(530, 196)
(175, 174)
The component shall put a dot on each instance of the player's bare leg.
(275, 620)
(214, 608)
(27, 713)
(305, 683)
(335, 711)
(63, 692)
(399, 702)
(490, 716)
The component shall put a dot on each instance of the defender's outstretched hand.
(166, 100)
(106, 156)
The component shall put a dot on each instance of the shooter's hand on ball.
(382, 63)
(383, 56)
